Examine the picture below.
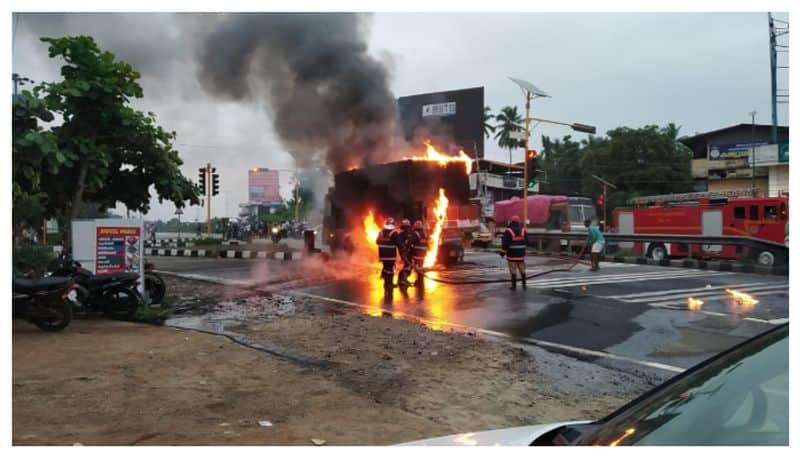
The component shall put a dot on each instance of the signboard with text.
(731, 151)
(451, 120)
(118, 250)
(263, 186)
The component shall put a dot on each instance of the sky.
(702, 71)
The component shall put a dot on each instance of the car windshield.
(740, 398)
(579, 213)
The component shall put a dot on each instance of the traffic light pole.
(525, 168)
(208, 198)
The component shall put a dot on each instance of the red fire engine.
(726, 213)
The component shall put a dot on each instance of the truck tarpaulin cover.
(538, 208)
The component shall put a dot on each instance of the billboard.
(731, 151)
(452, 120)
(263, 185)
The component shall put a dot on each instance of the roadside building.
(722, 159)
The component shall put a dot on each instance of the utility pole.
(753, 152)
(776, 31)
(528, 97)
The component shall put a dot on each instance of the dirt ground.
(339, 377)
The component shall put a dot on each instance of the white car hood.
(516, 436)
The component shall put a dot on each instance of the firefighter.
(405, 245)
(420, 246)
(513, 249)
(387, 251)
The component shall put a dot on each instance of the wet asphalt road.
(628, 317)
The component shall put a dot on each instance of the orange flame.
(431, 154)
(695, 304)
(742, 298)
(440, 213)
(371, 230)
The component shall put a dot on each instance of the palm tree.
(508, 120)
(488, 128)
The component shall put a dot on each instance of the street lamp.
(530, 92)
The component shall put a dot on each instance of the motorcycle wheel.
(122, 302)
(156, 289)
(64, 311)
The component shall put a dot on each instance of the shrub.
(34, 257)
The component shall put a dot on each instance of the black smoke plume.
(329, 99)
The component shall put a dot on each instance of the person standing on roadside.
(595, 241)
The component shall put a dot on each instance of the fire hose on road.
(576, 261)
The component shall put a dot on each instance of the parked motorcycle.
(114, 294)
(154, 284)
(45, 302)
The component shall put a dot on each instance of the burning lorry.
(416, 189)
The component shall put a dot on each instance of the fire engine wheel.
(658, 252)
(766, 258)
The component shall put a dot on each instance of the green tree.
(643, 161)
(111, 152)
(561, 162)
(34, 153)
(508, 120)
(488, 128)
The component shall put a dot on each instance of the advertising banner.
(730, 151)
(263, 186)
(118, 250)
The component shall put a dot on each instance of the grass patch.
(153, 315)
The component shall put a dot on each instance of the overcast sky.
(701, 71)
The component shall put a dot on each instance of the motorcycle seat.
(103, 279)
(41, 284)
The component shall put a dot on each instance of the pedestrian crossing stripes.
(678, 298)
(700, 292)
(551, 282)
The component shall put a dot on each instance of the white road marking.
(710, 293)
(697, 289)
(569, 282)
(542, 343)
(682, 301)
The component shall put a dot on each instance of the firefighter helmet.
(389, 223)
(418, 225)
(515, 218)
(405, 223)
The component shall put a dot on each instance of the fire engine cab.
(725, 213)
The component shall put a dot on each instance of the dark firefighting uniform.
(406, 247)
(387, 251)
(419, 242)
(514, 247)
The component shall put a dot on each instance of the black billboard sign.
(451, 120)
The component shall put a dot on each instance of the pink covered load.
(538, 208)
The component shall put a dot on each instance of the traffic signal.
(530, 162)
(600, 200)
(201, 172)
(214, 183)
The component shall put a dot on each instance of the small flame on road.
(742, 298)
(695, 304)
(440, 213)
(432, 155)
